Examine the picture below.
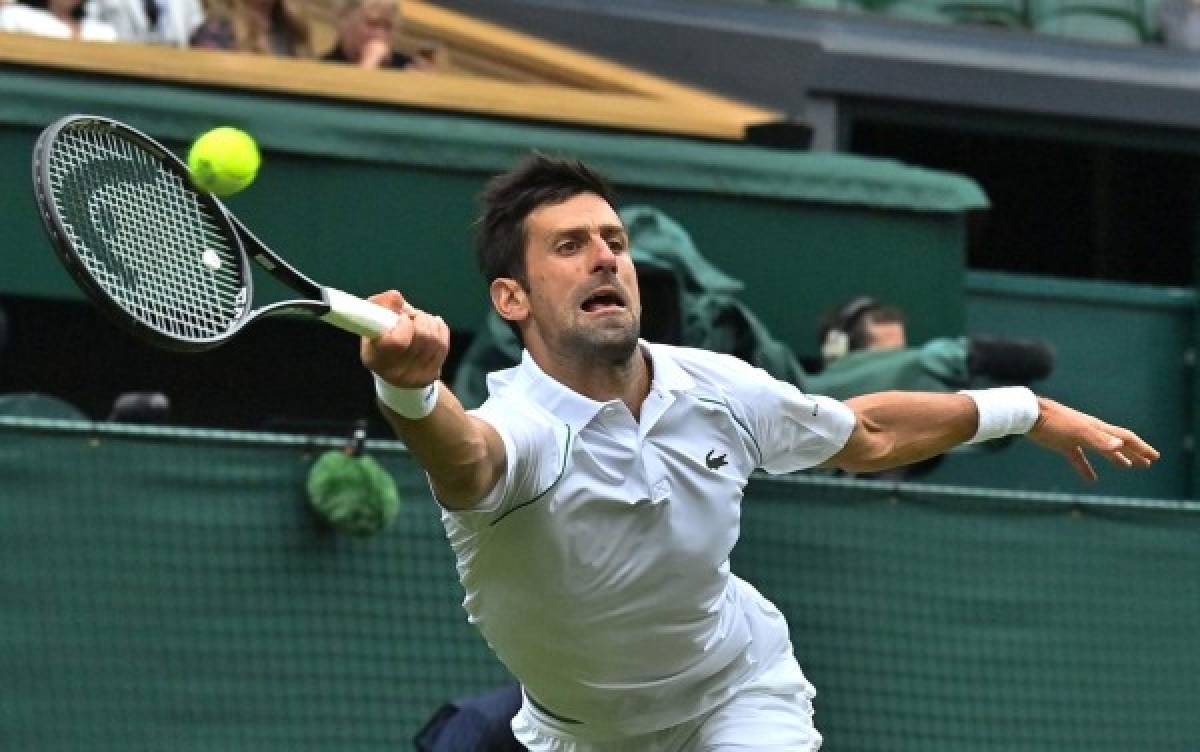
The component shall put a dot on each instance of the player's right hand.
(410, 354)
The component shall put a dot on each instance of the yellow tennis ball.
(224, 161)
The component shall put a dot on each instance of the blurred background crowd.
(358, 32)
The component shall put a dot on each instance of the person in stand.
(366, 37)
(169, 23)
(265, 27)
(61, 19)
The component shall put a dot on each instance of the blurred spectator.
(62, 19)
(268, 27)
(366, 36)
(862, 324)
(166, 22)
(1180, 23)
(865, 347)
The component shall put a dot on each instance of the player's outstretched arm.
(899, 428)
(463, 455)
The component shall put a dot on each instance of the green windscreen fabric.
(363, 198)
(936, 618)
(170, 590)
(383, 135)
(1134, 374)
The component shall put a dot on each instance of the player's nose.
(603, 257)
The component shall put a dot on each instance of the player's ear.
(509, 299)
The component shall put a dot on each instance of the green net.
(171, 590)
(952, 619)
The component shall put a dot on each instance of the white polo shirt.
(598, 568)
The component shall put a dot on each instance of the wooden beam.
(555, 63)
(435, 91)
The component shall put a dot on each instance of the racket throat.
(356, 315)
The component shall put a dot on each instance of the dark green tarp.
(365, 197)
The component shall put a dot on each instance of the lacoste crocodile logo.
(715, 463)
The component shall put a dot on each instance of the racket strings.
(180, 313)
(145, 237)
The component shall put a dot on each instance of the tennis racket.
(167, 261)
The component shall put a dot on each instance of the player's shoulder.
(709, 369)
(743, 388)
(509, 404)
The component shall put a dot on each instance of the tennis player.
(593, 501)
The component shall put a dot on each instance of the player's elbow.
(870, 448)
(868, 451)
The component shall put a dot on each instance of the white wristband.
(413, 404)
(1003, 411)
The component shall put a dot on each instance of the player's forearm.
(900, 428)
(453, 448)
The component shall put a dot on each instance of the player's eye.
(617, 244)
(567, 246)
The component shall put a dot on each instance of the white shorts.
(772, 713)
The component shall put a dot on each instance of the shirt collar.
(669, 376)
(577, 410)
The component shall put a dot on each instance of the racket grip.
(356, 315)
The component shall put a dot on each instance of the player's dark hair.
(509, 198)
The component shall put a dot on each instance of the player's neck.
(628, 381)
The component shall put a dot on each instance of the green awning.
(452, 142)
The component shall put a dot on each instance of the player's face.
(583, 295)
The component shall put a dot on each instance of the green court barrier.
(169, 589)
(1122, 353)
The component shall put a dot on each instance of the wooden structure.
(488, 71)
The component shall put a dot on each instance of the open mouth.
(603, 299)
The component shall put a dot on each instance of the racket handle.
(356, 315)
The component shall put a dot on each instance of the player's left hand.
(1072, 434)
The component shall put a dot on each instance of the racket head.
(159, 256)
